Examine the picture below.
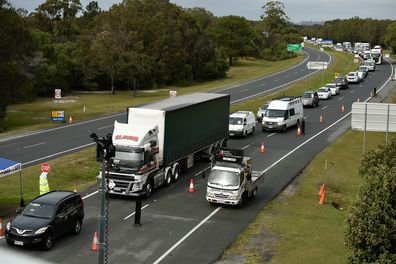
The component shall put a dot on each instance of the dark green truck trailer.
(167, 135)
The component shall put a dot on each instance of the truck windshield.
(235, 121)
(274, 113)
(225, 178)
(130, 158)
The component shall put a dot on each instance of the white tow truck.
(231, 179)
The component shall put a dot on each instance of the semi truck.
(163, 138)
(231, 179)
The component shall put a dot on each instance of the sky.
(296, 10)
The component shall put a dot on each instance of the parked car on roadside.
(335, 90)
(324, 93)
(353, 77)
(45, 218)
(261, 112)
(310, 98)
(341, 82)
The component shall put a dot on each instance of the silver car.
(261, 112)
(310, 98)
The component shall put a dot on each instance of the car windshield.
(225, 178)
(274, 113)
(322, 90)
(339, 79)
(330, 85)
(130, 157)
(351, 74)
(39, 210)
(307, 95)
(235, 121)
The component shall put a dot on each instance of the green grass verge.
(36, 115)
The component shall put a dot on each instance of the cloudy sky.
(297, 10)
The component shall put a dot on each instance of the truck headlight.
(8, 225)
(41, 230)
(209, 194)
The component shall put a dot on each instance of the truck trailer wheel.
(168, 176)
(176, 172)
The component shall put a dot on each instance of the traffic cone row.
(191, 189)
(262, 149)
(1, 228)
(94, 245)
(298, 130)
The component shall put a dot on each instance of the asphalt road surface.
(181, 227)
(44, 145)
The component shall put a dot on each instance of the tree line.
(135, 44)
(355, 29)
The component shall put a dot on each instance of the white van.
(283, 113)
(241, 123)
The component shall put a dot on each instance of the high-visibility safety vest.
(44, 187)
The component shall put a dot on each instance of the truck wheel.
(176, 172)
(254, 193)
(149, 187)
(168, 177)
(245, 134)
(253, 129)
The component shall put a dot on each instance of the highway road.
(44, 145)
(181, 227)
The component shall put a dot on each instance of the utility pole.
(102, 213)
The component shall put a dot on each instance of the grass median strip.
(294, 228)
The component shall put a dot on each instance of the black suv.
(45, 218)
(341, 82)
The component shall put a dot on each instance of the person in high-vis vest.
(44, 187)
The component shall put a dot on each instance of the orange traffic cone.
(342, 109)
(94, 245)
(322, 189)
(298, 130)
(75, 188)
(70, 119)
(191, 188)
(262, 149)
(322, 197)
(1, 228)
(321, 119)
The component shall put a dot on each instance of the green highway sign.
(294, 47)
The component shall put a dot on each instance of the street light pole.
(102, 214)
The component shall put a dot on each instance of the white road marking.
(295, 72)
(196, 174)
(263, 84)
(352, 91)
(55, 154)
(38, 144)
(306, 117)
(100, 128)
(286, 76)
(341, 98)
(270, 135)
(360, 85)
(126, 217)
(244, 90)
(186, 236)
(89, 195)
(325, 107)
(276, 80)
(246, 147)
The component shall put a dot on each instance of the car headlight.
(41, 230)
(9, 226)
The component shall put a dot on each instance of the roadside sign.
(58, 115)
(317, 65)
(45, 167)
(58, 93)
(172, 94)
(294, 47)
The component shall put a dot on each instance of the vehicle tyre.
(77, 227)
(149, 187)
(284, 128)
(10, 243)
(168, 177)
(48, 242)
(176, 172)
(242, 201)
(245, 133)
(254, 193)
(253, 129)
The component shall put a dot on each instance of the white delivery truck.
(283, 113)
(231, 179)
(241, 123)
(162, 138)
